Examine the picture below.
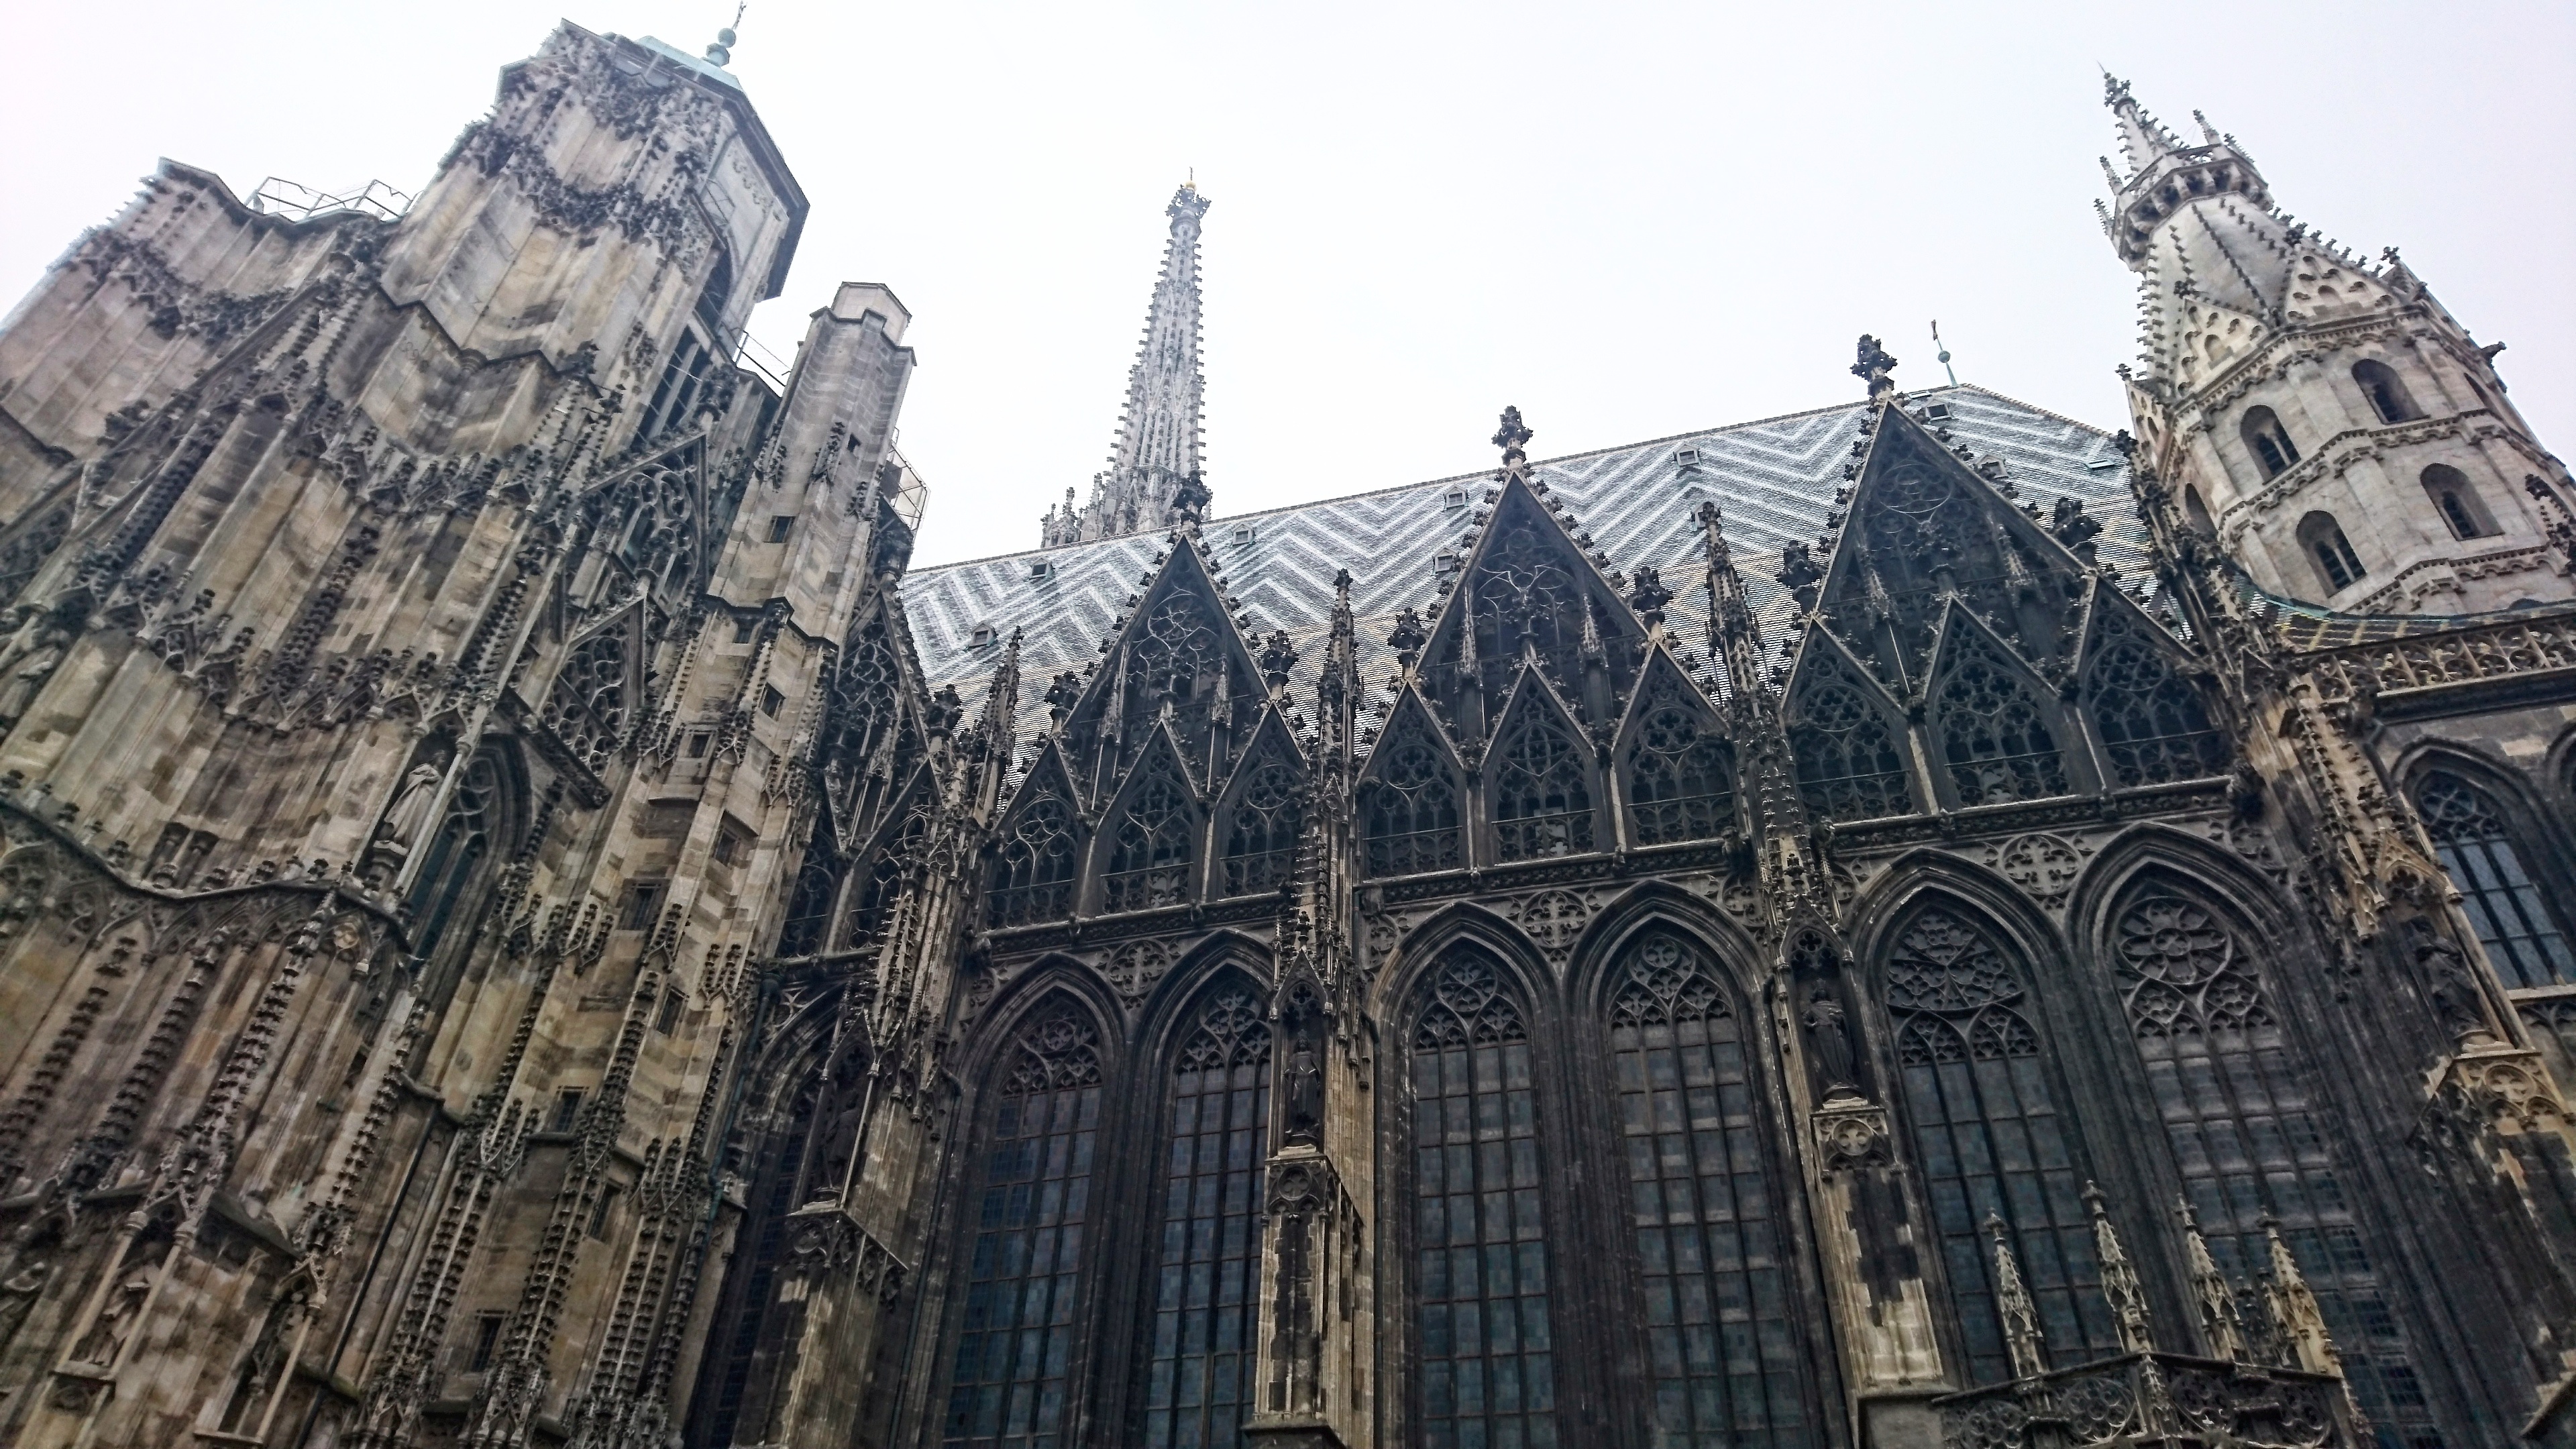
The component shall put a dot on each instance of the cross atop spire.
(1157, 449)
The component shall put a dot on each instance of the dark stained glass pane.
(1207, 1282)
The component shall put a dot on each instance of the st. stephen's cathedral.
(1916, 923)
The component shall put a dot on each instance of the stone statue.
(410, 810)
(1831, 1034)
(29, 670)
(115, 1320)
(1305, 1084)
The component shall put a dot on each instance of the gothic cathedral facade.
(525, 921)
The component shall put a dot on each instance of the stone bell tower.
(2332, 424)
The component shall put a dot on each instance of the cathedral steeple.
(2333, 426)
(1157, 450)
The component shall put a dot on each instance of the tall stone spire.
(1157, 450)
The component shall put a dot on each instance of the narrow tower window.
(2522, 940)
(1207, 1292)
(2268, 441)
(2456, 498)
(2323, 539)
(2387, 393)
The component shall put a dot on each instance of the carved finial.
(2110, 172)
(1873, 367)
(2207, 131)
(1511, 436)
(1407, 638)
(2222, 1327)
(2119, 1278)
(721, 53)
(2012, 1300)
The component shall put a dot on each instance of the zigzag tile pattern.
(1774, 479)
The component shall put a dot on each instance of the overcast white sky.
(1630, 220)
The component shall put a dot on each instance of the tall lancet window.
(1721, 1348)
(1207, 1288)
(1991, 1141)
(1020, 1284)
(2246, 1138)
(2521, 937)
(1485, 1343)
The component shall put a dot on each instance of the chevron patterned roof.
(1775, 480)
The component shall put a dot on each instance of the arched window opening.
(442, 895)
(1992, 1141)
(2152, 724)
(1207, 1286)
(1018, 1290)
(1483, 1337)
(587, 708)
(2337, 564)
(685, 381)
(1261, 846)
(2523, 941)
(1849, 767)
(1149, 860)
(809, 910)
(1722, 1345)
(883, 883)
(1034, 880)
(2246, 1137)
(2268, 441)
(2386, 391)
(2463, 511)
(1681, 779)
(1542, 791)
(718, 291)
(1992, 733)
(1412, 812)
(750, 1284)
(2196, 513)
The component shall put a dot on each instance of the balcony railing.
(2144, 1398)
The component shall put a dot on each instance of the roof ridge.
(1486, 474)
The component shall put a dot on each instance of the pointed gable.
(872, 731)
(1528, 596)
(1925, 528)
(1178, 655)
(1679, 780)
(1540, 770)
(1411, 804)
(1263, 811)
(2148, 715)
(1995, 729)
(1846, 735)
(1038, 846)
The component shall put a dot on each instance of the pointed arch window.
(2337, 565)
(1261, 841)
(2150, 719)
(809, 910)
(452, 864)
(1411, 810)
(587, 707)
(1722, 1348)
(2523, 941)
(1542, 790)
(2245, 1134)
(1149, 858)
(884, 880)
(1034, 879)
(1207, 1286)
(2268, 441)
(1681, 778)
(1991, 1140)
(1848, 764)
(1484, 1338)
(1020, 1284)
(1993, 736)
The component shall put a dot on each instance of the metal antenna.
(1944, 358)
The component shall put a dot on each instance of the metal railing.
(296, 201)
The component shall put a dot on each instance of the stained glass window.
(2247, 1141)
(1721, 1348)
(1991, 1140)
(1207, 1288)
(1021, 1281)
(2522, 939)
(1485, 1343)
